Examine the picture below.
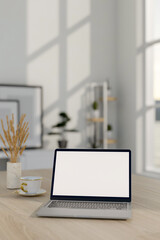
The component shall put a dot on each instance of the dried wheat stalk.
(14, 138)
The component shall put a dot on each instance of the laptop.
(90, 183)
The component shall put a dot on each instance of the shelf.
(95, 119)
(111, 99)
(111, 141)
(98, 123)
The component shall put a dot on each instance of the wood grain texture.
(110, 99)
(111, 141)
(18, 219)
(95, 120)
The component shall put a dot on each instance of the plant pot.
(95, 113)
(109, 133)
(13, 175)
(62, 143)
(109, 92)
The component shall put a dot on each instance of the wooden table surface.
(18, 219)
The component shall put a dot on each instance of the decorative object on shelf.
(97, 133)
(30, 99)
(62, 142)
(95, 109)
(109, 130)
(108, 88)
(14, 141)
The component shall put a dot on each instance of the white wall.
(126, 78)
(13, 41)
(65, 44)
(61, 45)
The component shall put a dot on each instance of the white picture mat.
(104, 174)
(30, 104)
(7, 108)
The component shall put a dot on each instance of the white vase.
(13, 175)
(96, 113)
(109, 133)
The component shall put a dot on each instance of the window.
(152, 84)
(148, 87)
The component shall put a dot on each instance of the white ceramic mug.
(30, 184)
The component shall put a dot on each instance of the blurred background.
(76, 57)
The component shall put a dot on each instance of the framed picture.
(30, 101)
(7, 108)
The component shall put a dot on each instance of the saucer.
(40, 192)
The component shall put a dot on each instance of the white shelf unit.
(98, 125)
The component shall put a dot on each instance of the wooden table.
(18, 220)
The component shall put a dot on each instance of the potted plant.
(109, 130)
(62, 142)
(14, 142)
(95, 109)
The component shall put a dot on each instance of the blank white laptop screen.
(98, 174)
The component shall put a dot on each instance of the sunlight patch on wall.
(139, 144)
(78, 56)
(149, 137)
(156, 72)
(139, 23)
(44, 71)
(77, 11)
(42, 23)
(152, 20)
(139, 82)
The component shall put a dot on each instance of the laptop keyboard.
(88, 205)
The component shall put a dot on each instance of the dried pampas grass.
(14, 139)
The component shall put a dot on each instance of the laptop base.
(45, 211)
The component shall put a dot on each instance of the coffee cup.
(30, 184)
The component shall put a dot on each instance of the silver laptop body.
(90, 183)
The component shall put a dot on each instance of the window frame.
(153, 171)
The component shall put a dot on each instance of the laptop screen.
(92, 175)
